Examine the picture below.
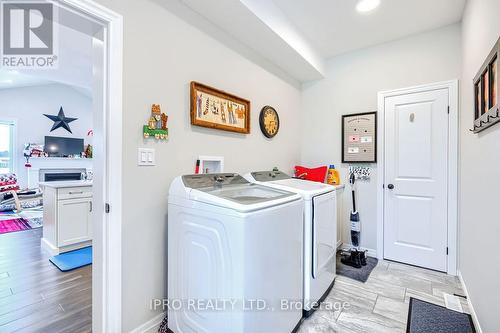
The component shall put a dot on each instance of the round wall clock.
(269, 121)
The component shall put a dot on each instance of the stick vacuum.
(355, 257)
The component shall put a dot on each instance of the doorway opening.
(85, 92)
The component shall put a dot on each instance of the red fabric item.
(8, 182)
(9, 188)
(314, 174)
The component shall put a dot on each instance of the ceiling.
(334, 26)
(291, 38)
(13, 79)
(74, 51)
(298, 36)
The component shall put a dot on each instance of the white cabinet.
(75, 223)
(67, 216)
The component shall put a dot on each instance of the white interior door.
(416, 178)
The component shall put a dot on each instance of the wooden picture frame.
(359, 137)
(214, 108)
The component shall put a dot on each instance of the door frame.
(452, 86)
(107, 265)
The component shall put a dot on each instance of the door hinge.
(107, 207)
(446, 250)
(448, 109)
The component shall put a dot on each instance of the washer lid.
(234, 192)
(307, 189)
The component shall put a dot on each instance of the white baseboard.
(47, 246)
(469, 304)
(371, 252)
(151, 326)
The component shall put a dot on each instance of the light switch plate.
(146, 157)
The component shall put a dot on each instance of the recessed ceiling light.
(365, 6)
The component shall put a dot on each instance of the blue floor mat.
(73, 259)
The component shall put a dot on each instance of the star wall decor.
(60, 121)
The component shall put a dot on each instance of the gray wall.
(479, 181)
(162, 54)
(351, 86)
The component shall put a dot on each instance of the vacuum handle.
(353, 201)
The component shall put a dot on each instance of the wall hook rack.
(485, 90)
(496, 115)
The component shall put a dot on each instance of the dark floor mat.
(424, 317)
(358, 274)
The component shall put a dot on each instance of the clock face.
(269, 121)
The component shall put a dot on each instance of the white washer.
(320, 232)
(233, 241)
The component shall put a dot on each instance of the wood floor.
(34, 295)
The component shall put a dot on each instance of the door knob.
(390, 186)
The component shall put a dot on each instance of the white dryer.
(320, 232)
(234, 253)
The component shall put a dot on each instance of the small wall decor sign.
(217, 109)
(359, 138)
(157, 124)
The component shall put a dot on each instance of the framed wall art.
(486, 100)
(359, 138)
(218, 109)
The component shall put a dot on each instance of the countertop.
(68, 183)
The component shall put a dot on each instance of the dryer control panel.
(267, 176)
(213, 180)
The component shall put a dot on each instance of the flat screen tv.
(63, 147)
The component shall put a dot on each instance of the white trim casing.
(107, 283)
(473, 314)
(452, 87)
(151, 326)
(13, 144)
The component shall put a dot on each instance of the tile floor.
(380, 304)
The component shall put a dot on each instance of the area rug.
(35, 222)
(34, 217)
(14, 225)
(358, 274)
(424, 317)
(73, 259)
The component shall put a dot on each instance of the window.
(7, 147)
